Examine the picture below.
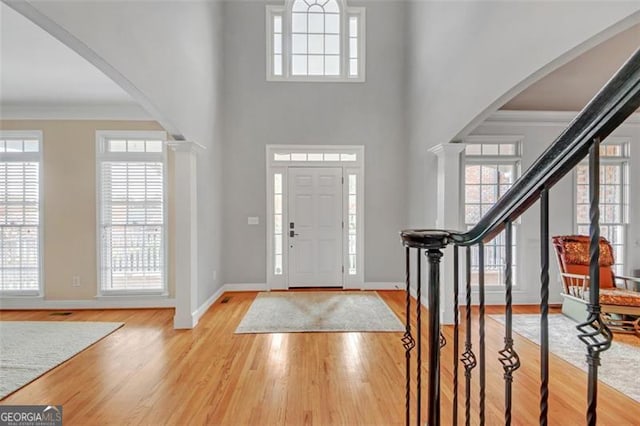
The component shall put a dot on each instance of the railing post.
(434, 256)
(456, 320)
(468, 357)
(594, 333)
(544, 305)
(508, 356)
(481, 332)
(419, 339)
(407, 340)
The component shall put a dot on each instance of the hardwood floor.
(148, 373)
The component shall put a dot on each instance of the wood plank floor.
(148, 373)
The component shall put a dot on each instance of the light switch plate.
(253, 220)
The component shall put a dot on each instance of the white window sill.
(30, 296)
(132, 295)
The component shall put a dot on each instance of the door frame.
(278, 160)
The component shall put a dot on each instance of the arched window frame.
(279, 45)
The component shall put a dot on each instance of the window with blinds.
(131, 206)
(20, 213)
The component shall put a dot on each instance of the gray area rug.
(620, 366)
(327, 311)
(28, 349)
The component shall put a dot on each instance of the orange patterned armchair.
(620, 305)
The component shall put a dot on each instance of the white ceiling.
(37, 69)
(570, 87)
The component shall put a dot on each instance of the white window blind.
(132, 219)
(19, 215)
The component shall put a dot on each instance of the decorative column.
(185, 233)
(448, 217)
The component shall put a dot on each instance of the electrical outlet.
(75, 281)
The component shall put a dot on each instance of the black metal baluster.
(594, 333)
(419, 340)
(468, 357)
(481, 335)
(456, 321)
(508, 356)
(434, 336)
(544, 305)
(407, 340)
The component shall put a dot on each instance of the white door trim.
(348, 157)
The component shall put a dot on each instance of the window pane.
(19, 223)
(331, 6)
(277, 43)
(1, 146)
(277, 204)
(353, 67)
(316, 23)
(314, 156)
(472, 194)
(347, 157)
(473, 149)
(353, 26)
(353, 48)
(135, 146)
(299, 22)
(299, 43)
(281, 157)
(277, 24)
(472, 174)
(316, 65)
(332, 65)
(277, 183)
(131, 203)
(277, 64)
(330, 156)
(154, 146)
(14, 146)
(489, 174)
(117, 146)
(31, 146)
(332, 46)
(299, 65)
(299, 6)
(490, 149)
(316, 44)
(332, 23)
(298, 156)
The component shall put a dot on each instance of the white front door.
(314, 229)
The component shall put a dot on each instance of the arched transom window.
(315, 40)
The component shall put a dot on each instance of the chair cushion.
(606, 276)
(574, 250)
(619, 297)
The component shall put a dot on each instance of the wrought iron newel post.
(434, 256)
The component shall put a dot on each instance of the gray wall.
(169, 53)
(258, 113)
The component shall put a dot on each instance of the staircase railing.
(618, 99)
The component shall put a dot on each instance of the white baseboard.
(245, 287)
(383, 286)
(207, 304)
(110, 302)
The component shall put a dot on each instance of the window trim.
(30, 134)
(345, 13)
(101, 138)
(625, 161)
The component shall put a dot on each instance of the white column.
(449, 216)
(185, 233)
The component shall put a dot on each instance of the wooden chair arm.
(628, 280)
(575, 280)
